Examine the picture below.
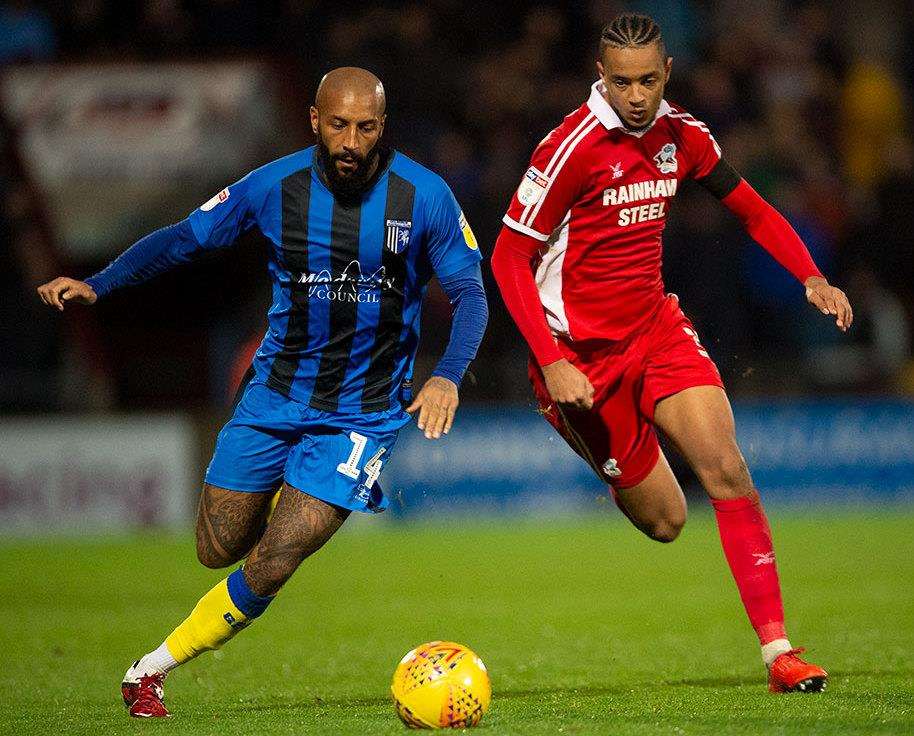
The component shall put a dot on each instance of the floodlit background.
(118, 118)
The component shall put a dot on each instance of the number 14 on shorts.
(372, 468)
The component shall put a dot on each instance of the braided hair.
(631, 30)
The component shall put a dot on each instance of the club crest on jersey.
(218, 199)
(618, 173)
(532, 186)
(397, 238)
(665, 159)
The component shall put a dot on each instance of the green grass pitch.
(586, 627)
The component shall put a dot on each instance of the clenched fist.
(568, 386)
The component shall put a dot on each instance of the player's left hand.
(829, 300)
(437, 404)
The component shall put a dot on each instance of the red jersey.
(598, 195)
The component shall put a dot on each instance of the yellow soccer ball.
(441, 685)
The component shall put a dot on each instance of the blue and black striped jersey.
(347, 278)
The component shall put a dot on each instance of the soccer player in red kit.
(613, 356)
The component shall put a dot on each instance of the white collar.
(610, 118)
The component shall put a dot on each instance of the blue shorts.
(334, 457)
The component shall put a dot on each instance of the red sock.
(746, 539)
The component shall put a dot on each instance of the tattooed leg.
(226, 524)
(229, 523)
(300, 526)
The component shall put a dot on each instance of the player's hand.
(568, 386)
(829, 300)
(61, 290)
(437, 404)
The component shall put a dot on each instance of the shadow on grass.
(736, 681)
(750, 681)
(563, 693)
(317, 703)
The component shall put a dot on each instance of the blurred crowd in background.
(809, 100)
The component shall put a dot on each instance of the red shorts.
(617, 437)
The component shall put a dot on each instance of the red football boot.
(790, 674)
(143, 696)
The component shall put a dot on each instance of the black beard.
(349, 187)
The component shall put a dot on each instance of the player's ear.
(381, 125)
(667, 67)
(315, 119)
(600, 69)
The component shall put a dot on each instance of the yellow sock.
(273, 502)
(214, 620)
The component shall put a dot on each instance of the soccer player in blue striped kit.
(357, 231)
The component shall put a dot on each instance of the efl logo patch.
(532, 186)
(218, 199)
(468, 237)
(397, 238)
(666, 159)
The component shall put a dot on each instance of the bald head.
(350, 86)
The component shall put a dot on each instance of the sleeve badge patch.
(468, 236)
(218, 199)
(532, 186)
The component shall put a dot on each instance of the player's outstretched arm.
(58, 292)
(149, 256)
(511, 265)
(772, 231)
(438, 400)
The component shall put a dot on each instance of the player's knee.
(211, 557)
(667, 528)
(212, 561)
(727, 475)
